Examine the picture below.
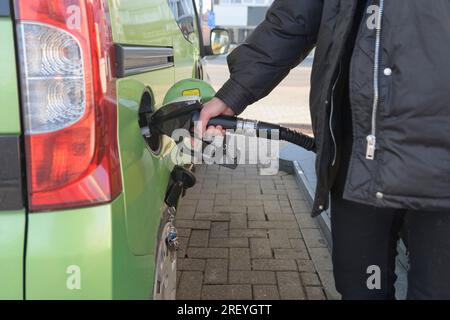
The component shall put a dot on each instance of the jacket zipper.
(332, 113)
(372, 138)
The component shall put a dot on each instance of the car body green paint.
(145, 174)
(9, 112)
(83, 254)
(12, 237)
(12, 223)
(102, 252)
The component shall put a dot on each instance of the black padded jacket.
(399, 93)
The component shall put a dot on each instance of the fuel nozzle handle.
(252, 127)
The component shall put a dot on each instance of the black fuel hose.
(258, 127)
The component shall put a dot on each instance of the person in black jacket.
(380, 106)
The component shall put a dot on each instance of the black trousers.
(365, 237)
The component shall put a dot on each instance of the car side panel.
(10, 110)
(186, 47)
(12, 235)
(12, 222)
(142, 22)
(145, 174)
(83, 255)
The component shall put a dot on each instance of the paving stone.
(252, 190)
(290, 254)
(221, 190)
(205, 206)
(252, 277)
(292, 187)
(199, 238)
(218, 217)
(229, 243)
(183, 247)
(290, 286)
(279, 239)
(321, 258)
(315, 293)
(306, 266)
(284, 225)
(178, 279)
(190, 203)
(191, 264)
(235, 195)
(310, 279)
(227, 292)
(221, 202)
(263, 197)
(314, 239)
(306, 221)
(219, 230)
(191, 224)
(281, 217)
(209, 185)
(240, 259)
(248, 233)
(185, 233)
(260, 248)
(265, 292)
(284, 204)
(288, 179)
(236, 203)
(274, 265)
(299, 206)
(230, 209)
(256, 214)
(280, 187)
(190, 286)
(327, 279)
(216, 271)
(287, 210)
(267, 191)
(295, 194)
(267, 184)
(207, 253)
(245, 236)
(186, 212)
(272, 206)
(254, 203)
(238, 221)
(294, 234)
(200, 196)
(299, 244)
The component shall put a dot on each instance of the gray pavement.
(288, 104)
(246, 236)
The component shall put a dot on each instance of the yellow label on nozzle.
(192, 93)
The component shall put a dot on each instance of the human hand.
(212, 109)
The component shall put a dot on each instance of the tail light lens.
(69, 104)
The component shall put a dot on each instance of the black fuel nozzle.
(183, 114)
(175, 116)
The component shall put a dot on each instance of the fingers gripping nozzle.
(183, 105)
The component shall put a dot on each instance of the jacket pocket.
(386, 89)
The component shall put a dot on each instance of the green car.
(82, 183)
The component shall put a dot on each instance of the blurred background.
(289, 103)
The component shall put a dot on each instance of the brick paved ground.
(246, 236)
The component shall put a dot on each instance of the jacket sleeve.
(278, 44)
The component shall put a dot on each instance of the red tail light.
(69, 104)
